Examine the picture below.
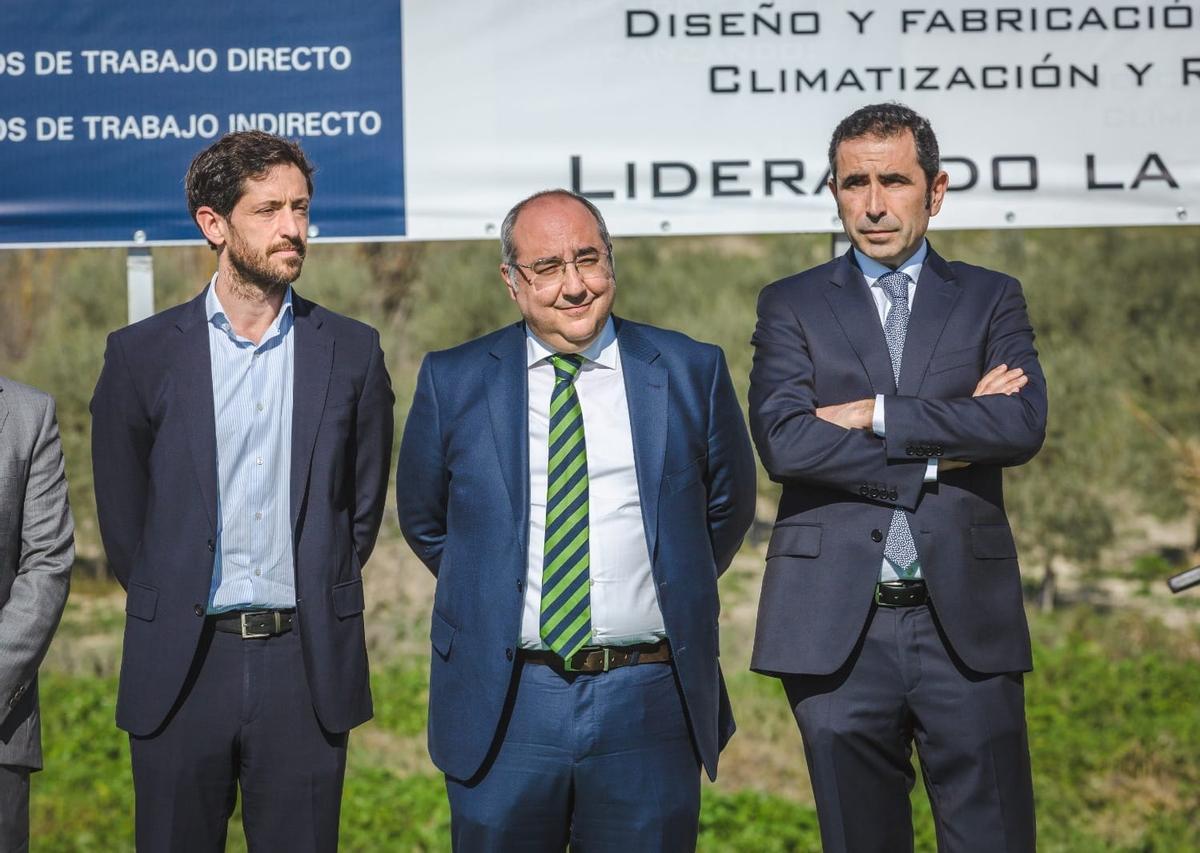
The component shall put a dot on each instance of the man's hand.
(998, 380)
(856, 415)
(1001, 380)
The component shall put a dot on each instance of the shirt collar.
(217, 316)
(601, 352)
(872, 270)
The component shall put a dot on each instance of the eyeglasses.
(592, 267)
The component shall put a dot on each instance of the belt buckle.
(247, 634)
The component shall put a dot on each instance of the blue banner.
(103, 105)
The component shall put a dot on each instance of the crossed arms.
(1001, 423)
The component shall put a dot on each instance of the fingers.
(1001, 380)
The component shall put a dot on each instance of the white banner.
(700, 117)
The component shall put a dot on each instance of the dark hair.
(508, 247)
(218, 174)
(887, 120)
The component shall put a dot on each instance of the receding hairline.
(551, 197)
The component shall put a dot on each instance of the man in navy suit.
(577, 483)
(889, 390)
(242, 444)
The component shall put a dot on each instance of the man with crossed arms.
(891, 604)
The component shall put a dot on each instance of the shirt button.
(258, 516)
(258, 573)
(258, 460)
(260, 407)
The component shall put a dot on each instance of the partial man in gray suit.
(37, 547)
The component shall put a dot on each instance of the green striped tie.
(566, 586)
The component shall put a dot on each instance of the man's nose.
(876, 206)
(572, 282)
(290, 223)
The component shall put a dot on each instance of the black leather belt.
(901, 593)
(602, 658)
(254, 624)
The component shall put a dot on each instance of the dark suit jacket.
(818, 342)
(155, 464)
(462, 490)
(37, 548)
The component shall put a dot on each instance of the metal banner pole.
(139, 276)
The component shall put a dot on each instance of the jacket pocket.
(441, 634)
(686, 476)
(348, 598)
(956, 358)
(795, 540)
(993, 542)
(141, 601)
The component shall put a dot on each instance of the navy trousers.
(245, 716)
(602, 761)
(903, 683)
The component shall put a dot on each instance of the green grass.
(1114, 718)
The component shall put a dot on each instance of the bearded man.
(241, 445)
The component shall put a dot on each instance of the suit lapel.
(507, 384)
(312, 364)
(194, 387)
(646, 387)
(935, 297)
(3, 408)
(858, 316)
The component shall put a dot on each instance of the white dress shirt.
(624, 601)
(872, 271)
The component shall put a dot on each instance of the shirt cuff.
(877, 420)
(931, 471)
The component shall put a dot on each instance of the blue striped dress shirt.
(252, 400)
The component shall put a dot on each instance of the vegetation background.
(1109, 508)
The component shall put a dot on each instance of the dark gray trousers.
(14, 809)
(245, 719)
(902, 684)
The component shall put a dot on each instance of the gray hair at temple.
(508, 247)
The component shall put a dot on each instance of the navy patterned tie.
(566, 618)
(900, 550)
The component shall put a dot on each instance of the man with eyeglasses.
(576, 482)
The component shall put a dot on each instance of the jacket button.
(197, 609)
(211, 547)
(863, 490)
(508, 654)
(908, 451)
(894, 495)
(519, 584)
(877, 535)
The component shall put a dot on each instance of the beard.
(258, 270)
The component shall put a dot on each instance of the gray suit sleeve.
(39, 591)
